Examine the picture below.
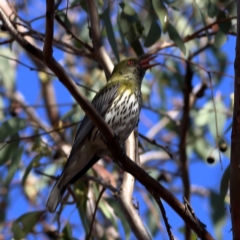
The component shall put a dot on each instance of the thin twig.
(153, 141)
(165, 219)
(94, 214)
(69, 31)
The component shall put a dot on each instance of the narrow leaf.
(162, 13)
(32, 164)
(110, 33)
(219, 39)
(175, 37)
(225, 26)
(16, 158)
(131, 27)
(202, 17)
(212, 10)
(153, 34)
(225, 182)
(7, 149)
(67, 232)
(11, 126)
(25, 223)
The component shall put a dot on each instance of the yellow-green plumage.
(119, 103)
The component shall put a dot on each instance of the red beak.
(145, 61)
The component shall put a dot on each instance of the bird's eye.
(130, 62)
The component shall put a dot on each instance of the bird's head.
(133, 68)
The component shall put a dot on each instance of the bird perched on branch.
(119, 103)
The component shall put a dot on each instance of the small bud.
(210, 159)
(222, 145)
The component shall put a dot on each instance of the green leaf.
(220, 116)
(119, 213)
(175, 37)
(16, 158)
(103, 205)
(153, 35)
(81, 190)
(202, 17)
(32, 164)
(11, 126)
(64, 18)
(220, 63)
(7, 69)
(225, 182)
(212, 10)
(67, 232)
(25, 223)
(1, 108)
(201, 144)
(110, 33)
(218, 212)
(131, 27)
(219, 39)
(162, 13)
(201, 118)
(7, 149)
(218, 207)
(129, 13)
(224, 26)
(207, 116)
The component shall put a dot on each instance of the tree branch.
(125, 196)
(235, 149)
(183, 139)
(99, 50)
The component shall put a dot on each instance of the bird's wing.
(102, 101)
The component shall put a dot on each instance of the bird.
(119, 103)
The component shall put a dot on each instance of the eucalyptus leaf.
(7, 69)
(119, 213)
(67, 232)
(7, 149)
(212, 9)
(32, 164)
(25, 223)
(202, 18)
(162, 13)
(153, 34)
(225, 182)
(224, 26)
(80, 191)
(219, 39)
(16, 158)
(11, 126)
(110, 33)
(64, 19)
(131, 27)
(218, 212)
(175, 37)
(2, 113)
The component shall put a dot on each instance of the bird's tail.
(56, 193)
(69, 176)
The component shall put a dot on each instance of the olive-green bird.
(119, 103)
